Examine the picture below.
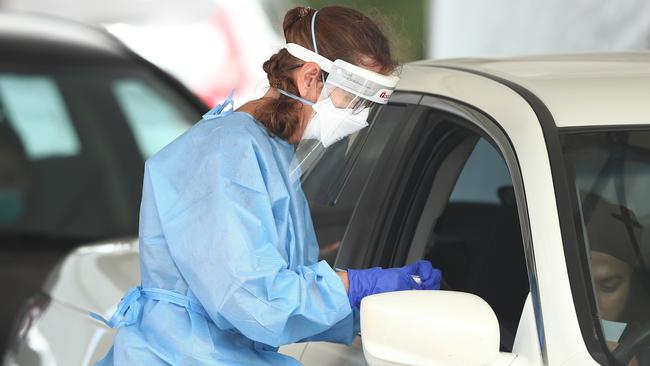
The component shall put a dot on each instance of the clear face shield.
(342, 110)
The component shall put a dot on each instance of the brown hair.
(341, 33)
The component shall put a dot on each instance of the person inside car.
(614, 237)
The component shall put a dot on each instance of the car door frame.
(591, 346)
(381, 184)
(488, 128)
(571, 332)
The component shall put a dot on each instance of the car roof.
(578, 89)
(46, 39)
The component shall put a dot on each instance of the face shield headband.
(360, 82)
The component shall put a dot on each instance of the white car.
(525, 180)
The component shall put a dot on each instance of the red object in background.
(215, 91)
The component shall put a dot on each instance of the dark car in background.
(79, 115)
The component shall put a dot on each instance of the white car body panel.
(91, 278)
(527, 339)
(332, 354)
(111, 267)
(579, 90)
(50, 338)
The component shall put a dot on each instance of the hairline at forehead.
(371, 64)
(599, 257)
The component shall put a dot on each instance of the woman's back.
(207, 254)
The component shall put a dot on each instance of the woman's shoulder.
(232, 133)
(229, 146)
(228, 132)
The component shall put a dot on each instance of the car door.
(444, 192)
(366, 156)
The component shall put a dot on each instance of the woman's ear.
(308, 80)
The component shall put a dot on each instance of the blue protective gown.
(228, 256)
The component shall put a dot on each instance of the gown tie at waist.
(129, 309)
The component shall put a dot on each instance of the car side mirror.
(430, 328)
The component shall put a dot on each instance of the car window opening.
(469, 228)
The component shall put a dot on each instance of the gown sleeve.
(342, 332)
(222, 236)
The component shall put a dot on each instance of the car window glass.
(611, 172)
(484, 165)
(35, 109)
(154, 119)
(83, 182)
(331, 221)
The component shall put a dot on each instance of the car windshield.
(72, 149)
(611, 171)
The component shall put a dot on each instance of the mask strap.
(313, 30)
(292, 96)
(313, 39)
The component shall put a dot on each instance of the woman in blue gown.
(228, 254)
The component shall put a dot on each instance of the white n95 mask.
(330, 124)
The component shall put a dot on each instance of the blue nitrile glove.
(364, 282)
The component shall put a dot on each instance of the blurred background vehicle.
(79, 114)
(53, 327)
(211, 46)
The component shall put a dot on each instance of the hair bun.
(294, 15)
(304, 11)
